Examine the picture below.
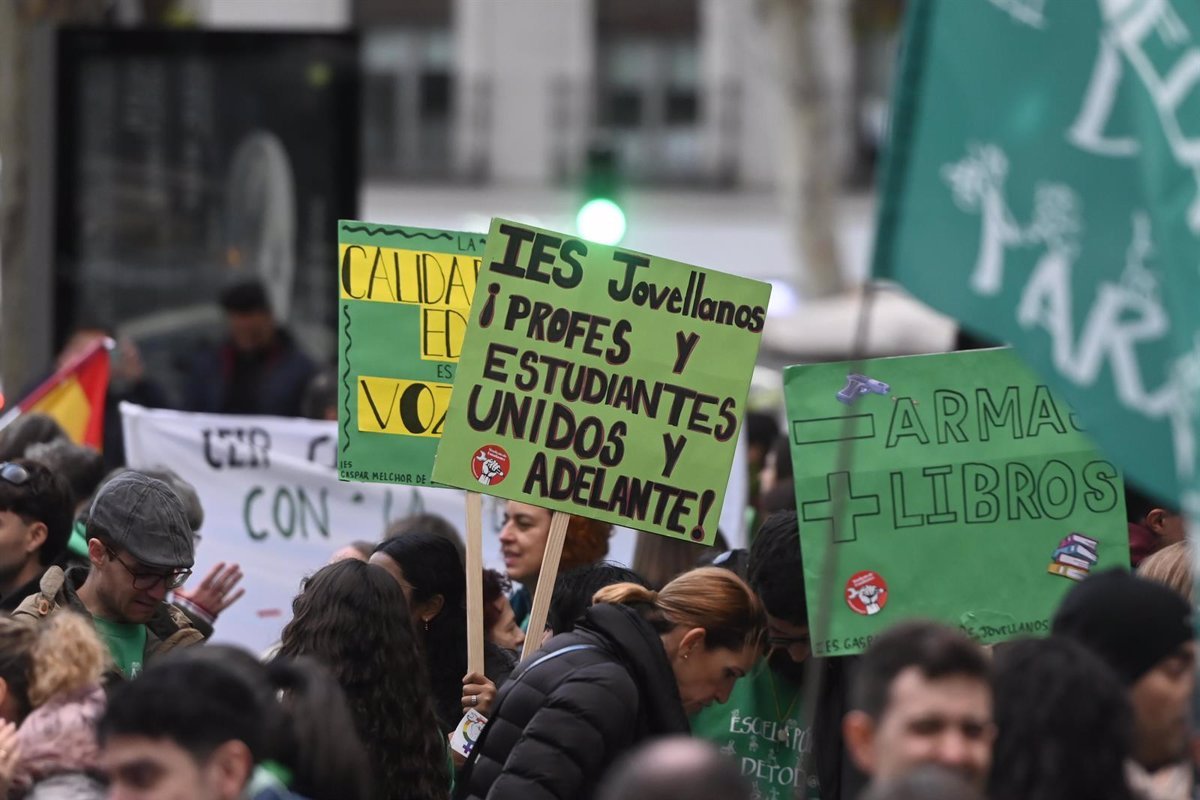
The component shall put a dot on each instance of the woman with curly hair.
(1064, 724)
(345, 618)
(523, 543)
(429, 571)
(50, 678)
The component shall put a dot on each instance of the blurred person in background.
(637, 664)
(1064, 726)
(928, 782)
(321, 396)
(575, 591)
(360, 551)
(675, 768)
(50, 685)
(428, 570)
(82, 466)
(499, 622)
(761, 430)
(35, 522)
(921, 695)
(1172, 567)
(353, 619)
(1152, 525)
(778, 488)
(27, 430)
(214, 723)
(140, 547)
(258, 369)
(1143, 631)
(523, 543)
(660, 559)
(428, 523)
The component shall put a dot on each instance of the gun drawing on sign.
(858, 385)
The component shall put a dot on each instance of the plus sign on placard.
(840, 496)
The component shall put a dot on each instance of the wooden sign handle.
(545, 585)
(474, 582)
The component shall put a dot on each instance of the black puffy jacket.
(585, 698)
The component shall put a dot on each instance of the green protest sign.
(602, 382)
(1043, 186)
(966, 492)
(404, 299)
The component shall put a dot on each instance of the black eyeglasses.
(144, 581)
(14, 473)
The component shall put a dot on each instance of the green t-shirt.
(126, 642)
(762, 728)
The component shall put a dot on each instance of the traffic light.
(600, 217)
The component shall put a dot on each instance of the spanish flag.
(73, 396)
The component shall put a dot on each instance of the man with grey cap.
(140, 547)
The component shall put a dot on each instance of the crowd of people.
(689, 675)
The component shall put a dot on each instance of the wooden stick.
(545, 585)
(474, 582)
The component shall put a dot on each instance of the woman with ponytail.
(215, 722)
(636, 665)
(50, 687)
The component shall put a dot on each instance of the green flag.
(1043, 187)
(968, 494)
(404, 295)
(602, 382)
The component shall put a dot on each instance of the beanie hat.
(1130, 622)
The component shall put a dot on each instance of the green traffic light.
(601, 220)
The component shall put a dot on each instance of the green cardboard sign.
(967, 493)
(404, 299)
(602, 382)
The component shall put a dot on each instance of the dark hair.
(1138, 503)
(432, 567)
(667, 769)
(244, 297)
(25, 430)
(925, 782)
(82, 466)
(1058, 704)
(575, 588)
(776, 569)
(44, 498)
(781, 497)
(658, 559)
(761, 429)
(934, 649)
(782, 451)
(288, 711)
(429, 523)
(352, 618)
(495, 586)
(319, 395)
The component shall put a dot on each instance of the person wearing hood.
(636, 665)
(50, 686)
(259, 369)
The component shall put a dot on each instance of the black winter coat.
(587, 697)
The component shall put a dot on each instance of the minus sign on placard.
(833, 429)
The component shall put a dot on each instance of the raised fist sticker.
(490, 465)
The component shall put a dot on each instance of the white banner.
(273, 504)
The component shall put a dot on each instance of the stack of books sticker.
(1075, 557)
